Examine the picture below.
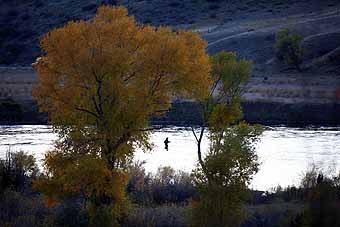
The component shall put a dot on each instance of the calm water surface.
(285, 153)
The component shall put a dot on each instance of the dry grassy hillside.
(23, 22)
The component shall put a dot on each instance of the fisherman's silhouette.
(166, 143)
(319, 180)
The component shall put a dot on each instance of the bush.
(157, 216)
(17, 171)
(18, 209)
(288, 48)
(170, 186)
(222, 180)
(19, 204)
(322, 198)
(321, 201)
(166, 186)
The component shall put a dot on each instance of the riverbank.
(264, 113)
(162, 199)
(188, 113)
(166, 198)
(280, 99)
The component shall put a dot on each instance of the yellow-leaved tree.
(101, 81)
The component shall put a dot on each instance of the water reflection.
(284, 152)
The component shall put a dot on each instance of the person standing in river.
(166, 143)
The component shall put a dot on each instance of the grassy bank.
(161, 199)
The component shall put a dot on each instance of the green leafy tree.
(222, 106)
(230, 165)
(223, 175)
(288, 48)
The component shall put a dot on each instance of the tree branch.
(87, 111)
(193, 131)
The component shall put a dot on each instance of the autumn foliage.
(114, 74)
(101, 81)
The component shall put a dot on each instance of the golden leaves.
(150, 64)
(100, 82)
(114, 74)
(88, 175)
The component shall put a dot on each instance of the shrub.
(321, 201)
(157, 216)
(138, 186)
(19, 204)
(17, 171)
(166, 186)
(170, 186)
(288, 48)
(322, 206)
(222, 181)
(19, 209)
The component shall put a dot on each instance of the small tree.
(288, 48)
(222, 107)
(230, 165)
(223, 175)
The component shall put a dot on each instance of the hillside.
(23, 22)
(276, 91)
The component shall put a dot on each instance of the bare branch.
(215, 86)
(87, 111)
(130, 77)
(193, 131)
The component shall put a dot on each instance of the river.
(285, 153)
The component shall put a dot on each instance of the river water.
(285, 153)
